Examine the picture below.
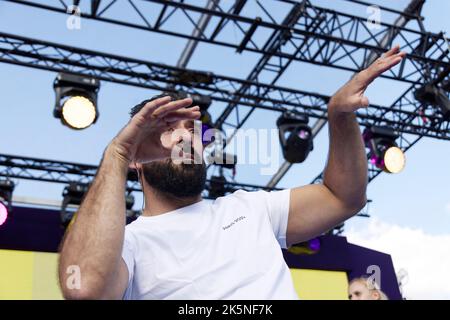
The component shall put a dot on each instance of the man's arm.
(94, 241)
(315, 209)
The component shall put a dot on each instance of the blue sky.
(419, 197)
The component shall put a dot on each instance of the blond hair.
(371, 285)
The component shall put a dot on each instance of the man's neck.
(158, 203)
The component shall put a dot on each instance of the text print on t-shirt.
(234, 222)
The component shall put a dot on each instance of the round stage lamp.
(3, 213)
(79, 112)
(394, 160)
(384, 152)
(76, 100)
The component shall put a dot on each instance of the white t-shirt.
(223, 249)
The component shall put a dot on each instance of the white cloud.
(425, 257)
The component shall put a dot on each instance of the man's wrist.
(335, 112)
(113, 155)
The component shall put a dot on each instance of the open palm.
(351, 97)
(140, 140)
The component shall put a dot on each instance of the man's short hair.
(173, 95)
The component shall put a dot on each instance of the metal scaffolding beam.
(199, 29)
(403, 117)
(406, 115)
(404, 142)
(268, 66)
(341, 41)
(35, 169)
(45, 170)
(308, 33)
(412, 11)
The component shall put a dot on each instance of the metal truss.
(307, 34)
(268, 67)
(17, 167)
(306, 28)
(55, 57)
(339, 40)
(405, 142)
(271, 64)
(373, 172)
(412, 11)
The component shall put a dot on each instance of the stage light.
(6, 190)
(222, 159)
(192, 77)
(207, 124)
(79, 112)
(394, 159)
(432, 95)
(3, 213)
(204, 102)
(383, 150)
(76, 100)
(73, 195)
(129, 201)
(295, 136)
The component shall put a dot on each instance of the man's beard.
(176, 180)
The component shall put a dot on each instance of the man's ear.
(140, 173)
(137, 167)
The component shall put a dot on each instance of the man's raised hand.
(351, 97)
(140, 140)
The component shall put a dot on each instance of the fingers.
(153, 105)
(382, 64)
(392, 51)
(393, 54)
(391, 58)
(170, 107)
(401, 54)
(183, 114)
(389, 62)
